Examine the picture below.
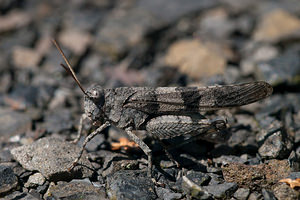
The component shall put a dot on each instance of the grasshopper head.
(93, 103)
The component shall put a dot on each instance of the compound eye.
(95, 94)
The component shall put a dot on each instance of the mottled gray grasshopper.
(164, 112)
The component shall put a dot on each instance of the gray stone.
(35, 180)
(13, 123)
(76, 189)
(255, 196)
(174, 9)
(8, 179)
(52, 156)
(283, 192)
(223, 160)
(130, 184)
(278, 145)
(224, 190)
(216, 24)
(282, 69)
(268, 195)
(122, 30)
(242, 193)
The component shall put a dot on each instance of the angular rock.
(242, 194)
(221, 191)
(255, 196)
(223, 160)
(167, 194)
(276, 25)
(194, 190)
(51, 157)
(198, 178)
(268, 195)
(195, 58)
(284, 192)
(76, 189)
(8, 179)
(35, 180)
(278, 145)
(13, 123)
(130, 184)
(282, 69)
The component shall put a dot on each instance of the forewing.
(182, 100)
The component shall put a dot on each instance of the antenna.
(69, 69)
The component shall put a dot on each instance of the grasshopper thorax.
(93, 103)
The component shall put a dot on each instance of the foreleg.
(87, 139)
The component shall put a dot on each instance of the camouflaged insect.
(164, 112)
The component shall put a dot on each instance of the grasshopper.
(164, 112)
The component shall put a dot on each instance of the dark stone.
(5, 155)
(13, 123)
(8, 179)
(222, 191)
(216, 179)
(174, 9)
(31, 96)
(42, 189)
(83, 19)
(20, 195)
(58, 120)
(76, 189)
(268, 126)
(268, 195)
(130, 184)
(167, 194)
(123, 30)
(95, 143)
(198, 178)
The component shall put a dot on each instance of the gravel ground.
(148, 43)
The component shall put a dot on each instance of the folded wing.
(185, 100)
